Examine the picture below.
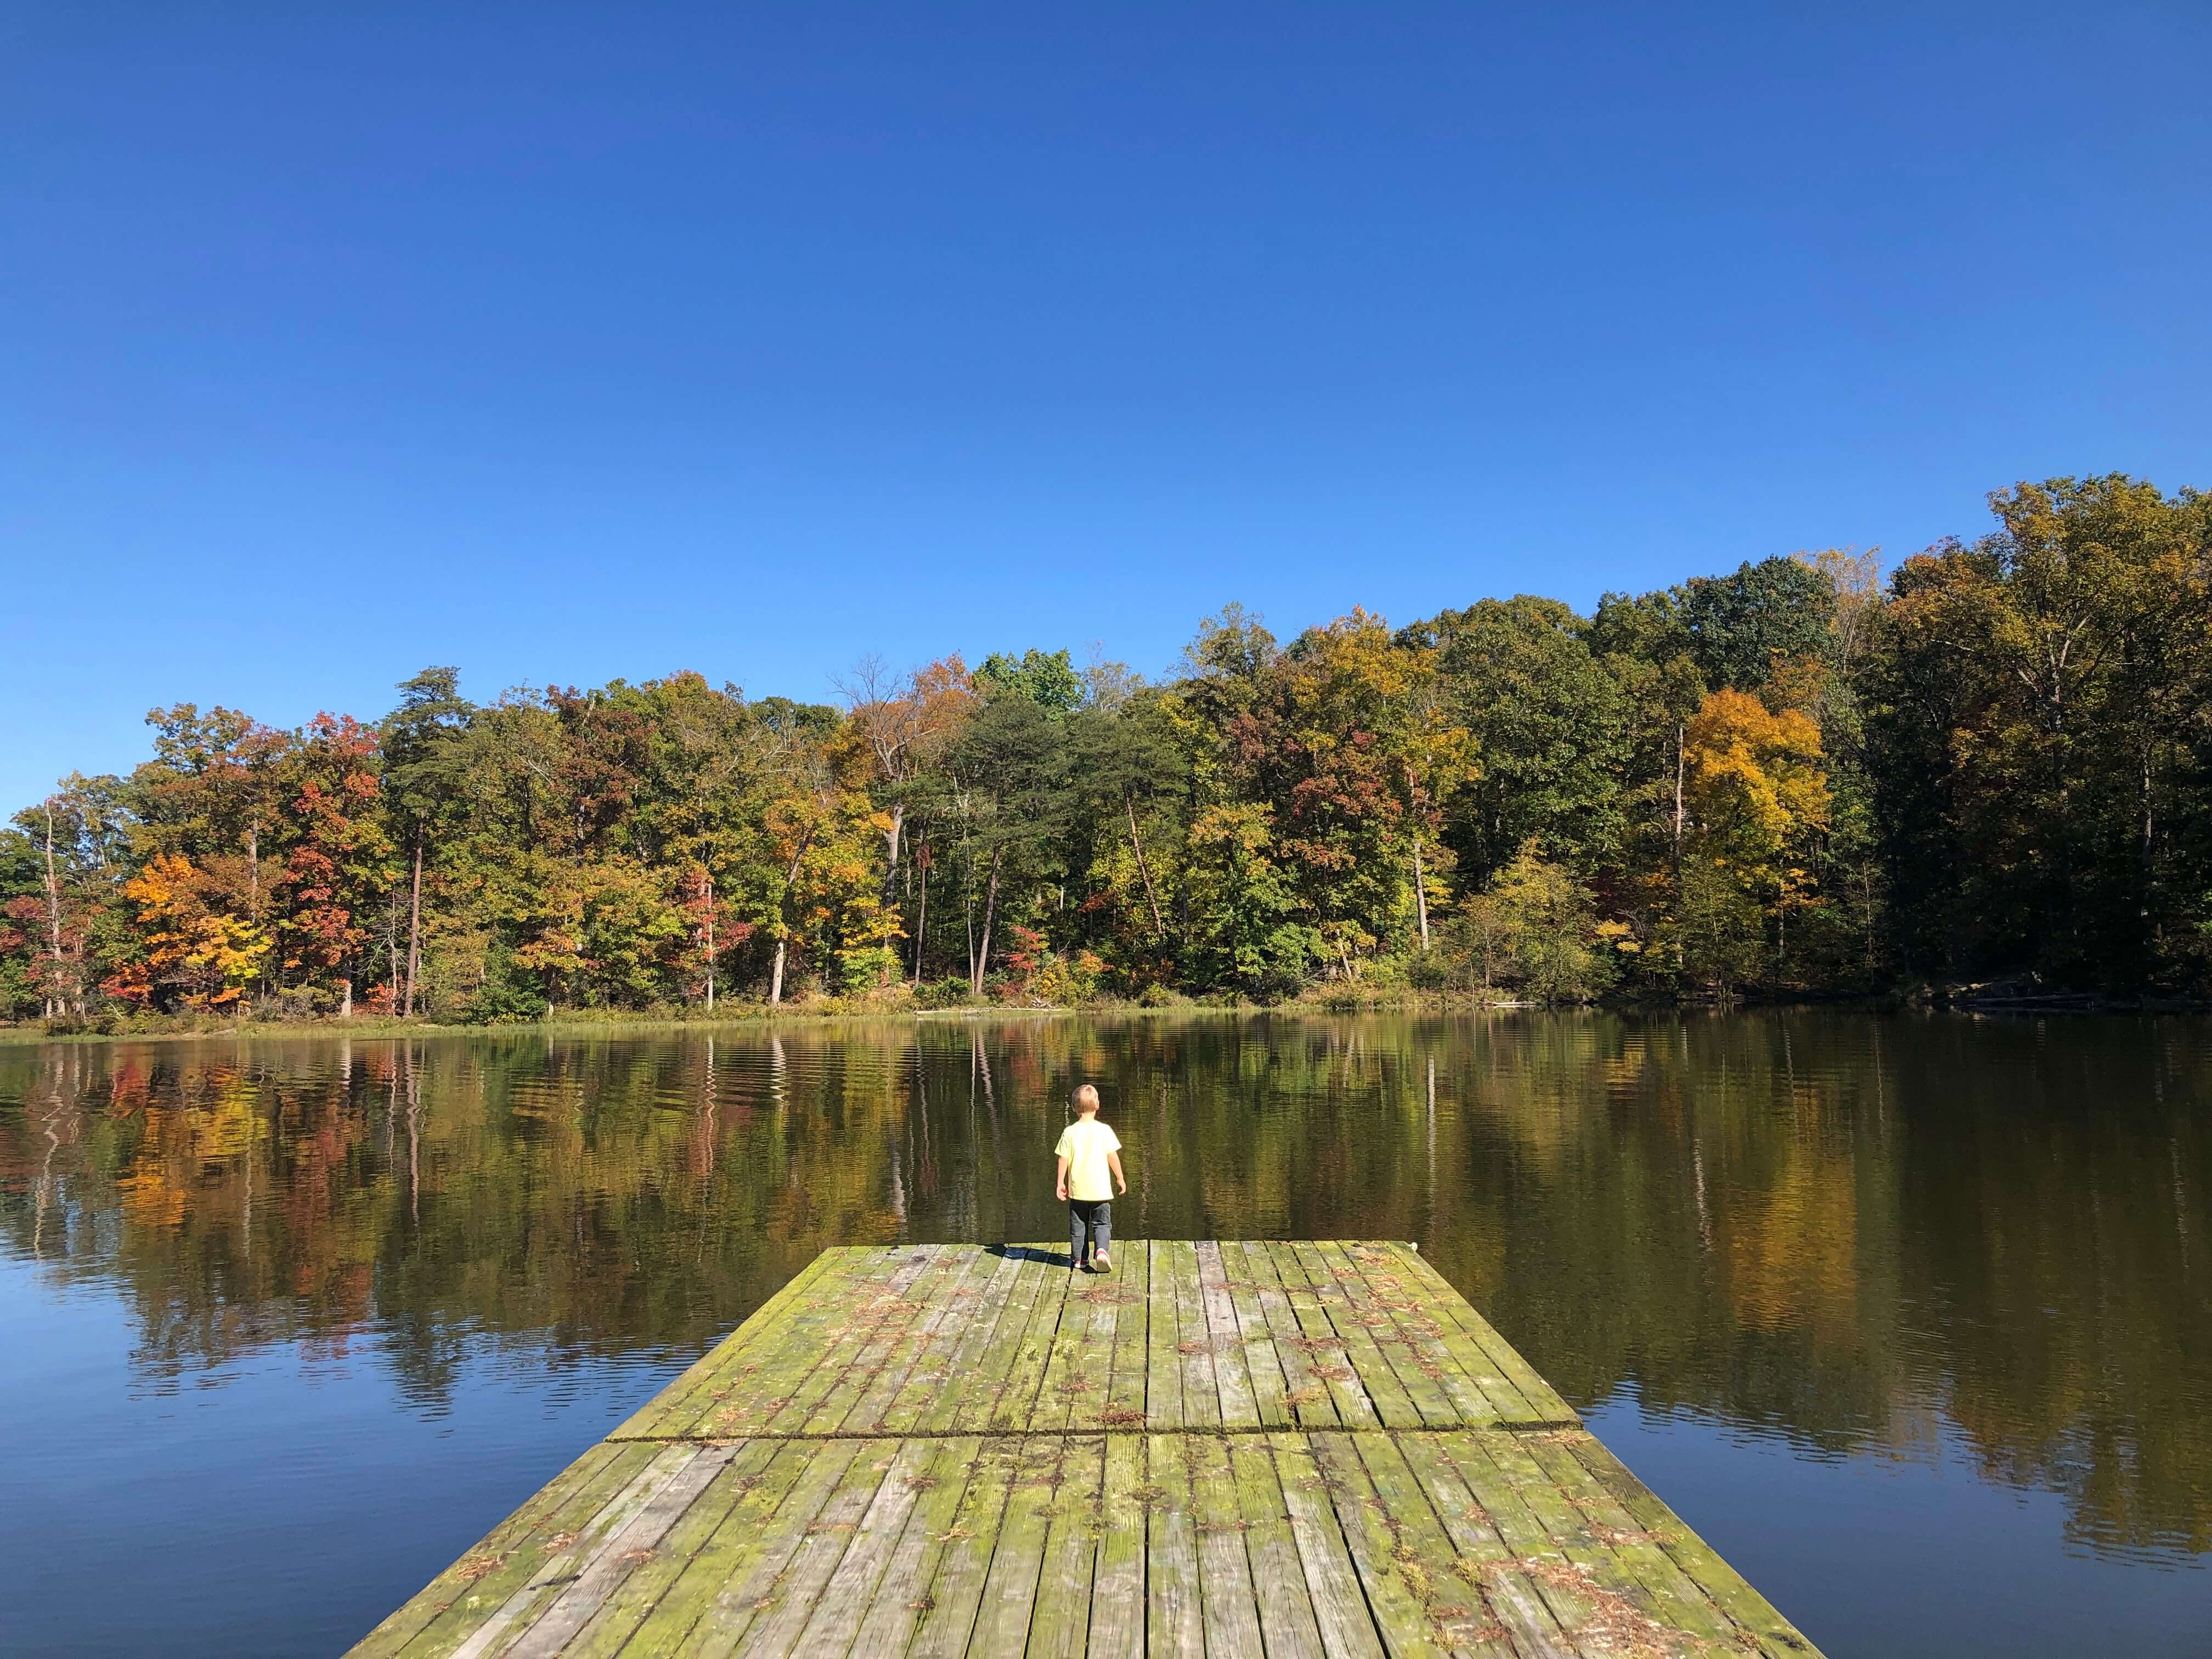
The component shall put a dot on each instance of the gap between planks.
(1138, 1429)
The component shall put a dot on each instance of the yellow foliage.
(211, 956)
(150, 1199)
(1792, 1249)
(1754, 782)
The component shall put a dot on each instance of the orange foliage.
(209, 958)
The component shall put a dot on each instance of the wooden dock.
(1235, 1448)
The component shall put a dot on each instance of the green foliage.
(1244, 929)
(1551, 726)
(1738, 627)
(1534, 930)
(1048, 679)
(949, 993)
(424, 754)
(867, 967)
(1233, 645)
(23, 907)
(501, 1001)
(2038, 741)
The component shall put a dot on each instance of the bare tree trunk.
(54, 1001)
(345, 998)
(710, 944)
(391, 947)
(922, 918)
(891, 876)
(415, 924)
(2147, 836)
(1680, 760)
(892, 854)
(982, 952)
(1420, 894)
(254, 892)
(1136, 841)
(783, 939)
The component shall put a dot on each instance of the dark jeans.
(1089, 1218)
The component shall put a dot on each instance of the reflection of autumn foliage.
(1792, 1251)
(1838, 1229)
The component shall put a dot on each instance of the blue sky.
(564, 343)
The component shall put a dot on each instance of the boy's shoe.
(1099, 1264)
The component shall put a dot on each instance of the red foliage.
(338, 838)
(1027, 953)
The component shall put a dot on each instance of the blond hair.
(1086, 1099)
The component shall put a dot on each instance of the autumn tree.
(1756, 795)
(217, 793)
(2040, 737)
(197, 955)
(1790, 776)
(906, 726)
(341, 860)
(1535, 929)
(1548, 726)
(1009, 798)
(814, 807)
(703, 782)
(1316, 747)
(1129, 777)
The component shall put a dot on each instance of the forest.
(1992, 767)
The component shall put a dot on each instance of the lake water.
(1911, 1317)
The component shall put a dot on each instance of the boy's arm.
(1063, 1175)
(1113, 1163)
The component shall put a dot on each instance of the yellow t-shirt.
(1084, 1144)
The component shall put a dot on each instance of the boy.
(1088, 1152)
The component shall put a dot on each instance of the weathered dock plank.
(1286, 1614)
(948, 1605)
(1062, 1622)
(1172, 1609)
(1010, 1589)
(1340, 1610)
(896, 1610)
(1285, 1449)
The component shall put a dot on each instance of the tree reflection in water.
(1845, 1229)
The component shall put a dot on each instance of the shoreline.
(754, 1019)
